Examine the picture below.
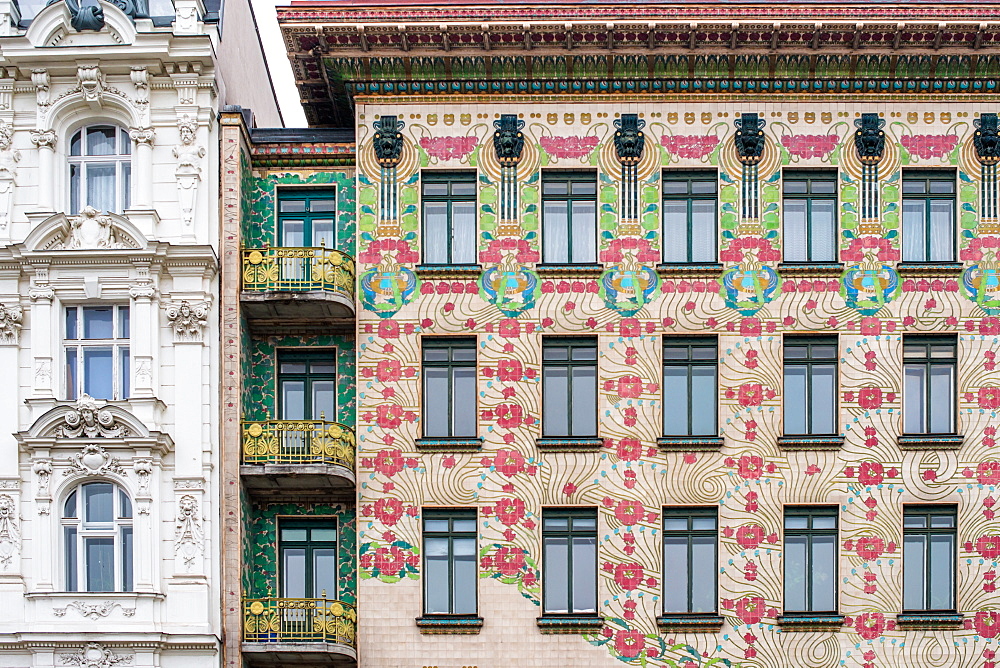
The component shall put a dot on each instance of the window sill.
(569, 444)
(811, 268)
(910, 621)
(448, 270)
(689, 623)
(916, 269)
(930, 441)
(689, 443)
(450, 444)
(574, 270)
(807, 442)
(556, 623)
(689, 268)
(465, 625)
(806, 622)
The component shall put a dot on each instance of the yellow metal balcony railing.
(298, 442)
(299, 620)
(298, 270)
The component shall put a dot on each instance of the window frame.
(810, 532)
(928, 175)
(449, 177)
(308, 523)
(690, 513)
(571, 343)
(809, 176)
(569, 533)
(690, 176)
(75, 557)
(119, 343)
(452, 515)
(570, 176)
(927, 362)
(308, 355)
(449, 343)
(308, 195)
(928, 511)
(123, 177)
(691, 342)
(809, 362)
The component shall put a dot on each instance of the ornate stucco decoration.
(629, 138)
(43, 476)
(10, 532)
(388, 140)
(9, 157)
(91, 230)
(749, 138)
(508, 139)
(95, 655)
(189, 537)
(93, 460)
(188, 172)
(10, 324)
(188, 320)
(93, 610)
(83, 17)
(43, 138)
(88, 418)
(91, 80)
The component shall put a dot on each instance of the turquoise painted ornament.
(749, 286)
(981, 284)
(509, 286)
(627, 287)
(387, 288)
(869, 285)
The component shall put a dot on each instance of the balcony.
(299, 631)
(292, 287)
(289, 456)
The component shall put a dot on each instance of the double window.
(810, 391)
(569, 387)
(810, 215)
(569, 559)
(449, 208)
(97, 538)
(811, 560)
(449, 371)
(929, 558)
(690, 562)
(307, 218)
(690, 204)
(569, 217)
(690, 367)
(928, 216)
(100, 169)
(308, 558)
(450, 562)
(929, 384)
(97, 351)
(307, 385)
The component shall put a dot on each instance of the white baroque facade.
(109, 433)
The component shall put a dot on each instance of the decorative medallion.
(388, 140)
(94, 460)
(89, 418)
(986, 139)
(981, 284)
(869, 139)
(629, 138)
(627, 286)
(511, 287)
(508, 139)
(387, 288)
(749, 138)
(749, 286)
(869, 286)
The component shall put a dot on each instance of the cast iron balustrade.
(298, 454)
(316, 630)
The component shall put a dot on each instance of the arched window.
(100, 168)
(97, 535)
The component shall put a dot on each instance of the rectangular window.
(690, 204)
(449, 400)
(810, 215)
(308, 558)
(569, 387)
(811, 560)
(97, 351)
(690, 367)
(307, 218)
(307, 384)
(449, 208)
(929, 365)
(690, 564)
(929, 558)
(450, 562)
(569, 217)
(810, 390)
(928, 216)
(569, 559)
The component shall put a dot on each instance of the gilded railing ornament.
(298, 442)
(299, 620)
(298, 269)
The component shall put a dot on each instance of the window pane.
(584, 574)
(98, 503)
(823, 572)
(324, 400)
(555, 401)
(703, 246)
(101, 141)
(98, 322)
(945, 186)
(824, 231)
(72, 382)
(584, 401)
(463, 242)
(101, 186)
(584, 232)
(942, 230)
(323, 233)
(675, 569)
(127, 551)
(294, 569)
(71, 323)
(795, 241)
(465, 576)
(463, 525)
(703, 569)
(556, 574)
(69, 540)
(703, 401)
(124, 505)
(125, 373)
(293, 233)
(941, 400)
(914, 553)
(69, 509)
(914, 401)
(436, 232)
(436, 583)
(124, 322)
(463, 188)
(675, 395)
(823, 399)
(914, 231)
(436, 411)
(555, 234)
(795, 573)
(795, 399)
(100, 566)
(942, 572)
(675, 231)
(464, 402)
(293, 400)
(324, 573)
(322, 205)
(294, 535)
(76, 143)
(287, 205)
(126, 168)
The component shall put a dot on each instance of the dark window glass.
(449, 209)
(690, 204)
(308, 558)
(450, 562)
(929, 365)
(569, 387)
(690, 367)
(569, 560)
(307, 384)
(307, 218)
(929, 558)
(811, 560)
(449, 401)
(690, 564)
(569, 217)
(928, 216)
(810, 393)
(810, 215)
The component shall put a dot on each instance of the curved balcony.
(290, 286)
(298, 456)
(299, 631)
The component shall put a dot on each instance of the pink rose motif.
(388, 371)
(750, 609)
(749, 536)
(629, 449)
(629, 644)
(870, 625)
(510, 416)
(988, 472)
(446, 148)
(810, 146)
(509, 511)
(989, 397)
(629, 387)
(389, 462)
(987, 623)
(389, 560)
(929, 146)
(509, 462)
(869, 548)
(509, 560)
(988, 547)
(629, 513)
(509, 370)
(568, 147)
(751, 467)
(628, 576)
(388, 510)
(870, 397)
(388, 416)
(689, 146)
(870, 473)
(750, 394)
